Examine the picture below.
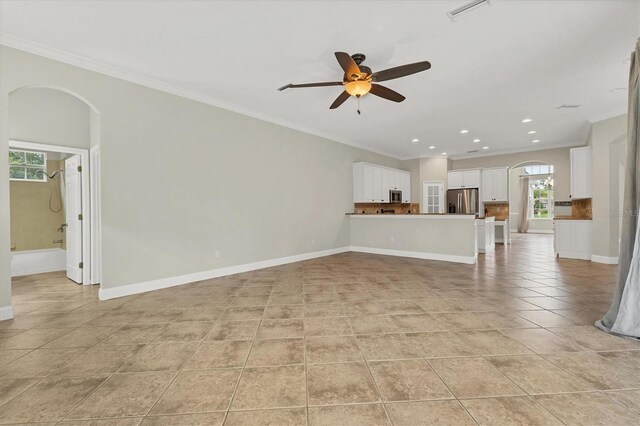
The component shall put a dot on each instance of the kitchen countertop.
(571, 218)
(410, 216)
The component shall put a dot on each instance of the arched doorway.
(56, 121)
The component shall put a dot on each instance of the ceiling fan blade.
(348, 64)
(401, 71)
(386, 93)
(294, 86)
(340, 100)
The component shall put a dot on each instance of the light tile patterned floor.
(349, 339)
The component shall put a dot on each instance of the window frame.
(549, 198)
(26, 166)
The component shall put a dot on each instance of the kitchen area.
(386, 220)
(459, 218)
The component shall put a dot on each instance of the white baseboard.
(416, 254)
(540, 231)
(604, 259)
(6, 313)
(573, 255)
(38, 261)
(143, 287)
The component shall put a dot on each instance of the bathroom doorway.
(50, 203)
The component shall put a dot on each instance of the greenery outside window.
(27, 166)
(541, 197)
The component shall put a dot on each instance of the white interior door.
(73, 207)
(433, 197)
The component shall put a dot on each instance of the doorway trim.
(440, 185)
(90, 234)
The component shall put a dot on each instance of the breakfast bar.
(447, 237)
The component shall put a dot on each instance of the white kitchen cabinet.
(485, 235)
(376, 173)
(572, 239)
(454, 180)
(372, 183)
(580, 173)
(495, 185)
(503, 235)
(463, 179)
(405, 186)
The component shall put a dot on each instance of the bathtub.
(38, 261)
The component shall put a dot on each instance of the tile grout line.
(375, 384)
(244, 366)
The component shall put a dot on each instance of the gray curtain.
(626, 299)
(523, 222)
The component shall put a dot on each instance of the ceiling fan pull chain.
(358, 98)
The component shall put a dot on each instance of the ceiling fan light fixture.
(357, 87)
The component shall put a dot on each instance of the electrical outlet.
(313, 241)
(217, 253)
(392, 239)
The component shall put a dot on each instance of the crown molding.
(19, 43)
(538, 147)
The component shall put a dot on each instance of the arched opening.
(51, 128)
(531, 197)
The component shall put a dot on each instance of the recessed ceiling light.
(618, 90)
(432, 147)
(476, 140)
(444, 153)
(485, 147)
(535, 141)
(531, 132)
(464, 131)
(415, 140)
(527, 120)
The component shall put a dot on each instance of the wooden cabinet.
(580, 173)
(572, 239)
(463, 179)
(495, 185)
(372, 183)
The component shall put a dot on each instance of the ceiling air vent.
(471, 152)
(569, 106)
(455, 14)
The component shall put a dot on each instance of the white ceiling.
(513, 60)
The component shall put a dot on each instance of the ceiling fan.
(358, 80)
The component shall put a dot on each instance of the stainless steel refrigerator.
(462, 201)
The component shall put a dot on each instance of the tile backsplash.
(581, 208)
(376, 208)
(498, 210)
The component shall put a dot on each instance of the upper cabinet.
(371, 183)
(495, 185)
(580, 173)
(463, 179)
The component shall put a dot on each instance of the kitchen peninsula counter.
(448, 237)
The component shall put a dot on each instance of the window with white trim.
(540, 191)
(27, 166)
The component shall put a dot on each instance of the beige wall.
(608, 139)
(558, 157)
(49, 116)
(181, 179)
(423, 170)
(33, 225)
